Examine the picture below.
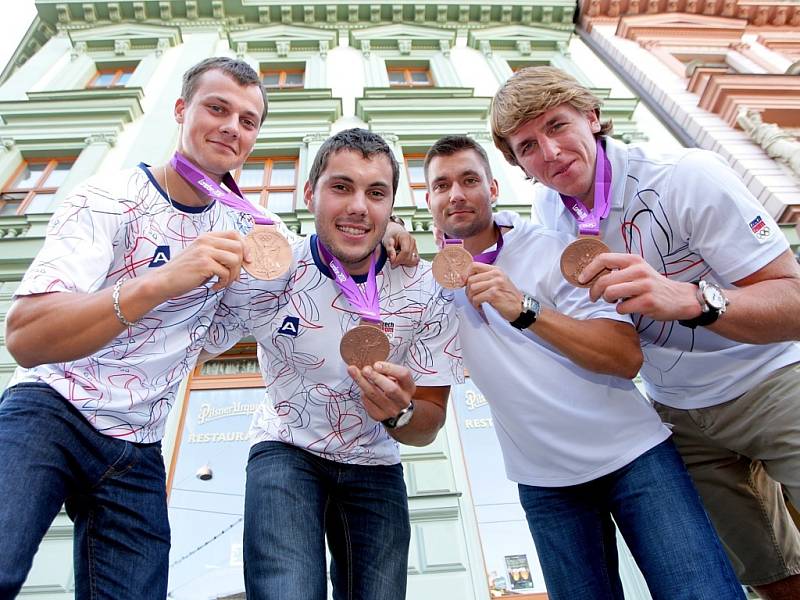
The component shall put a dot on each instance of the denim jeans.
(114, 492)
(295, 499)
(659, 514)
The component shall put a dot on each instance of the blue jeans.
(295, 499)
(659, 514)
(114, 491)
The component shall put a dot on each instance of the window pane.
(396, 77)
(124, 77)
(282, 174)
(271, 79)
(30, 176)
(419, 197)
(420, 77)
(294, 79)
(39, 204)
(10, 203)
(252, 175)
(57, 175)
(103, 80)
(416, 172)
(280, 202)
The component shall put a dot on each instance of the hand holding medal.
(270, 253)
(451, 266)
(577, 255)
(366, 343)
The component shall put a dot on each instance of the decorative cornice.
(401, 38)
(667, 27)
(759, 13)
(67, 120)
(282, 39)
(121, 38)
(778, 144)
(776, 97)
(510, 37)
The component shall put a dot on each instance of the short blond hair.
(532, 91)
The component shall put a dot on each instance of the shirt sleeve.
(720, 219)
(231, 322)
(434, 356)
(78, 250)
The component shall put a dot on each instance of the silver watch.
(713, 304)
(402, 418)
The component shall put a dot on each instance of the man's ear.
(308, 196)
(180, 109)
(494, 191)
(428, 199)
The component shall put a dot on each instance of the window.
(32, 186)
(283, 79)
(270, 182)
(416, 179)
(111, 77)
(409, 77)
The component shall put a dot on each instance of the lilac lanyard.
(589, 220)
(366, 303)
(487, 258)
(202, 182)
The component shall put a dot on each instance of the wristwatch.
(712, 301)
(530, 310)
(402, 418)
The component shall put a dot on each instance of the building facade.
(92, 86)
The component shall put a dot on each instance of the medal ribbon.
(589, 220)
(233, 199)
(486, 258)
(366, 303)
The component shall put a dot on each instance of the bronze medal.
(579, 254)
(364, 345)
(451, 266)
(270, 253)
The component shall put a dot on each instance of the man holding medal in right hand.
(715, 294)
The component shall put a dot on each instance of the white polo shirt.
(311, 402)
(122, 225)
(558, 424)
(690, 217)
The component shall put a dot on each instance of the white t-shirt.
(689, 215)
(298, 321)
(558, 424)
(122, 225)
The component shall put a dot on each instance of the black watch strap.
(524, 320)
(706, 318)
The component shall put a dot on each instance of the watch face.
(404, 418)
(714, 298)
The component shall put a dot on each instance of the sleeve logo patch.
(760, 229)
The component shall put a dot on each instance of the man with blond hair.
(714, 292)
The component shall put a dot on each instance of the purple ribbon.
(589, 220)
(486, 258)
(233, 199)
(367, 303)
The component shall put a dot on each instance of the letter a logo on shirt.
(291, 326)
(160, 256)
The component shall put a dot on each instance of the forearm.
(599, 345)
(427, 420)
(65, 326)
(762, 313)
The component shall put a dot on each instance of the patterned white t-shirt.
(690, 217)
(122, 225)
(298, 321)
